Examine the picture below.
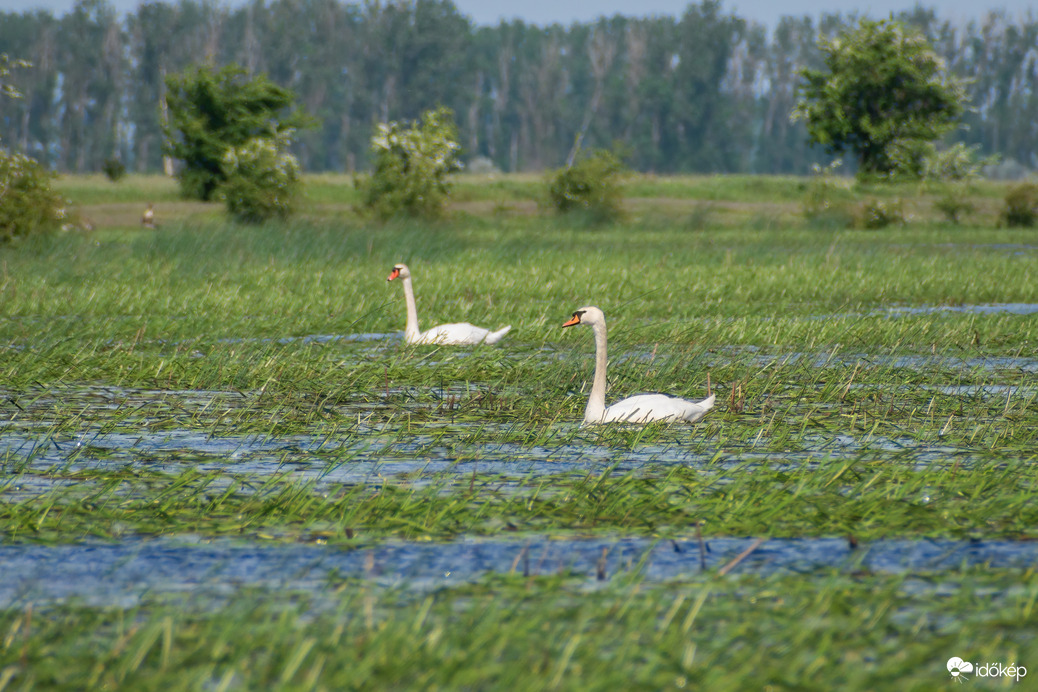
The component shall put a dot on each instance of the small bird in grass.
(148, 217)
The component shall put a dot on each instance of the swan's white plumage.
(459, 333)
(454, 334)
(642, 408)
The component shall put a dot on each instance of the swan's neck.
(596, 402)
(411, 331)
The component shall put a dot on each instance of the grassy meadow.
(207, 383)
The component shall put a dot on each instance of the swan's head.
(589, 315)
(399, 271)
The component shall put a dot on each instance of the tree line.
(708, 91)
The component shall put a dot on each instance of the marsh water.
(126, 572)
(167, 431)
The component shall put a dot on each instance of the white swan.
(643, 408)
(456, 334)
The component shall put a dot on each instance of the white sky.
(566, 11)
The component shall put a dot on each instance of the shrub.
(1021, 208)
(412, 168)
(953, 203)
(921, 160)
(114, 169)
(481, 165)
(28, 205)
(590, 186)
(262, 180)
(876, 213)
(958, 162)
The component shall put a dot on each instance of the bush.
(412, 167)
(262, 180)
(590, 186)
(1021, 207)
(114, 169)
(481, 165)
(28, 205)
(876, 213)
(953, 203)
(958, 162)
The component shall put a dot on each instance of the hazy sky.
(566, 11)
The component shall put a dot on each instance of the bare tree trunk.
(636, 48)
(601, 52)
(473, 115)
(167, 161)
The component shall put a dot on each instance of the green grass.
(835, 417)
(848, 632)
(885, 498)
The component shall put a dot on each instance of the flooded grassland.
(221, 467)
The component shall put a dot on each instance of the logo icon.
(957, 667)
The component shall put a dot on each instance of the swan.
(643, 408)
(456, 334)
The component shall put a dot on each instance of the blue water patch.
(127, 572)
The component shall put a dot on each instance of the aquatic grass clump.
(867, 499)
(854, 632)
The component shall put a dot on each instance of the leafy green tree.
(412, 166)
(882, 93)
(212, 111)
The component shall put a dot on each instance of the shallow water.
(127, 572)
(987, 309)
(330, 461)
(48, 435)
(913, 362)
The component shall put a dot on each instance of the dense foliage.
(590, 186)
(262, 180)
(883, 95)
(705, 91)
(1021, 206)
(212, 111)
(412, 166)
(28, 205)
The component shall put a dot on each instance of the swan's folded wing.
(646, 408)
(456, 334)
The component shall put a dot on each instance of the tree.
(212, 111)
(883, 92)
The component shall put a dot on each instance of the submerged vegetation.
(211, 385)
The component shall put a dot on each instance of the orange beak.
(393, 274)
(573, 320)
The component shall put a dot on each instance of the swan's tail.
(494, 337)
(699, 409)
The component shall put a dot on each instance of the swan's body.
(643, 408)
(455, 334)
